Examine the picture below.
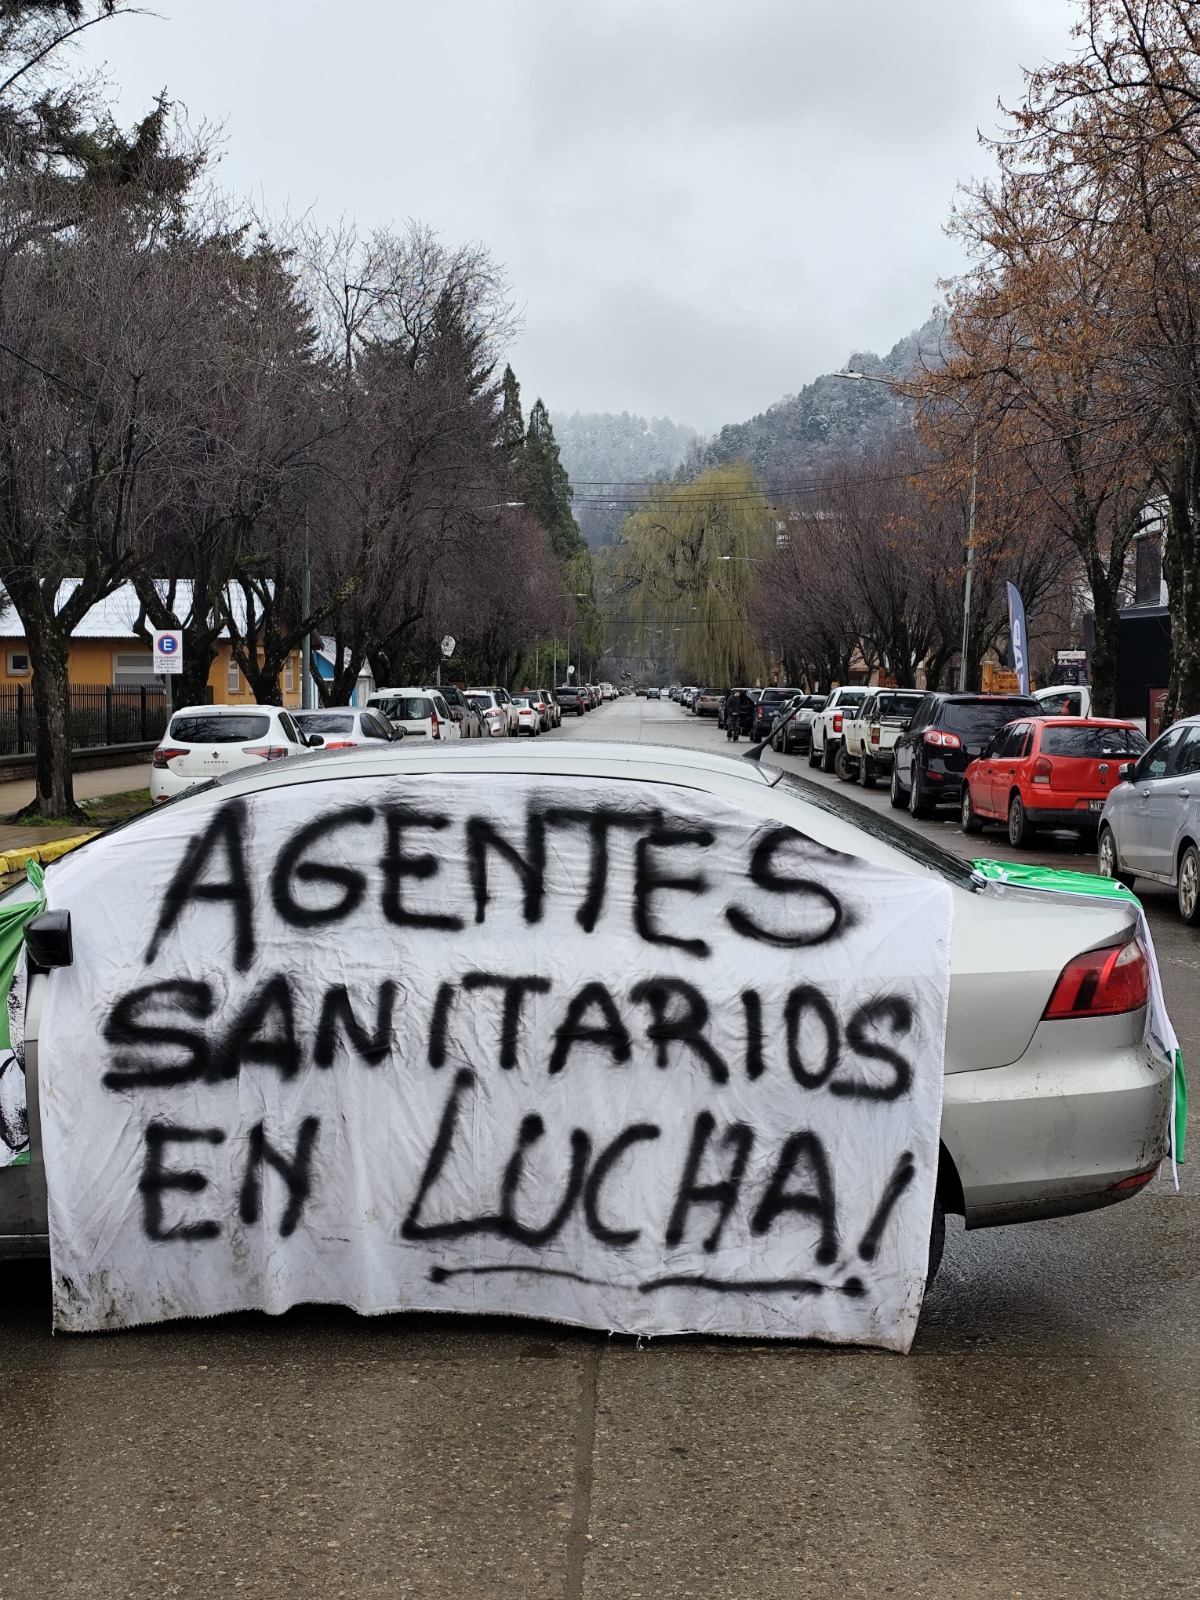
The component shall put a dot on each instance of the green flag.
(14, 1124)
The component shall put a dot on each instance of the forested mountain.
(830, 416)
(602, 451)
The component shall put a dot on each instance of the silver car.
(1054, 1100)
(1150, 826)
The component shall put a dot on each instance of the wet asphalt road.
(1040, 1440)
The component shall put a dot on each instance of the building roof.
(114, 616)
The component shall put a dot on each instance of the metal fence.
(100, 715)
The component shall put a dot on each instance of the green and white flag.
(14, 1118)
(1159, 1032)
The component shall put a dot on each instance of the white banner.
(618, 1054)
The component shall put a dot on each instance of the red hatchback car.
(1050, 772)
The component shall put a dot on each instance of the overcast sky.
(701, 204)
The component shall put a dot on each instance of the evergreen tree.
(547, 489)
(512, 425)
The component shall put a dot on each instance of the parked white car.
(416, 713)
(1065, 700)
(494, 715)
(828, 725)
(529, 714)
(344, 727)
(206, 742)
(870, 732)
(1054, 1101)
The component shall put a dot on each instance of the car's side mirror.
(1125, 772)
(48, 940)
(315, 741)
(399, 733)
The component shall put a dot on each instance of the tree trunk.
(55, 795)
(1181, 567)
(1104, 651)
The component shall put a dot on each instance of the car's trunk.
(1007, 959)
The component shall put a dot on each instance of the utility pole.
(966, 636)
(306, 643)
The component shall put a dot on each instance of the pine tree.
(512, 425)
(547, 489)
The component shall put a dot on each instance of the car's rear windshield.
(984, 716)
(897, 705)
(878, 825)
(405, 707)
(218, 730)
(326, 722)
(1092, 742)
(776, 694)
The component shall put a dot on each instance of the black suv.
(945, 735)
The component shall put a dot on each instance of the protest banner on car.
(626, 1055)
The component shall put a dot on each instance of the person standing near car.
(739, 714)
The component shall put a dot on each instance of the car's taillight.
(269, 752)
(1101, 983)
(338, 744)
(874, 735)
(1042, 770)
(162, 756)
(837, 722)
(944, 741)
(434, 726)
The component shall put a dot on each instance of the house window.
(289, 675)
(132, 668)
(234, 681)
(18, 664)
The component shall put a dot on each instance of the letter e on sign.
(168, 650)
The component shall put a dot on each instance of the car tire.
(814, 756)
(918, 807)
(843, 764)
(1187, 886)
(1020, 829)
(866, 772)
(1108, 862)
(937, 1241)
(895, 792)
(828, 757)
(971, 822)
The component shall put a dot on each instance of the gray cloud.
(701, 203)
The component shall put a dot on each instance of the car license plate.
(1095, 805)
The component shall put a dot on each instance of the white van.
(416, 713)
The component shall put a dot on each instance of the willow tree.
(688, 562)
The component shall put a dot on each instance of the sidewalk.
(88, 786)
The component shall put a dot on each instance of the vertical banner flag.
(1016, 628)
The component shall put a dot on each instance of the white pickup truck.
(826, 737)
(870, 734)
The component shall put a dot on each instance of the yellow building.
(105, 650)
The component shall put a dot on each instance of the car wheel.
(1108, 862)
(970, 817)
(828, 757)
(1187, 889)
(895, 793)
(814, 756)
(843, 765)
(918, 806)
(866, 772)
(937, 1241)
(1020, 829)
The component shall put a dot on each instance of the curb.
(17, 860)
